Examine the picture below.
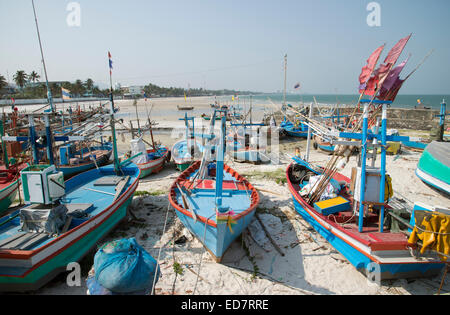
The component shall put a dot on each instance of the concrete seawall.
(401, 118)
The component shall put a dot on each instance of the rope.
(201, 256)
(159, 253)
(432, 232)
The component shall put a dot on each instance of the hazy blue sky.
(235, 44)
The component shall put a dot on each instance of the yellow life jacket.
(388, 191)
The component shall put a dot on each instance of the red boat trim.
(183, 177)
(161, 159)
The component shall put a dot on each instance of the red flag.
(396, 51)
(370, 66)
(391, 80)
(381, 74)
(392, 93)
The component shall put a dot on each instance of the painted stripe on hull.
(364, 263)
(433, 181)
(7, 196)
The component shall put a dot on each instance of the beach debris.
(257, 231)
(268, 235)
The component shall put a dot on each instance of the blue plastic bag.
(123, 266)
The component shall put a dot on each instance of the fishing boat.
(417, 146)
(244, 144)
(72, 161)
(9, 185)
(188, 150)
(185, 107)
(90, 205)
(434, 166)
(297, 129)
(208, 118)
(9, 177)
(323, 145)
(350, 213)
(61, 221)
(388, 252)
(213, 201)
(152, 160)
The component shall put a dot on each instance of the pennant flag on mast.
(368, 69)
(380, 75)
(65, 94)
(391, 80)
(110, 63)
(396, 51)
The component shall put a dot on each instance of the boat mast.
(285, 79)
(111, 120)
(49, 92)
(308, 141)
(220, 154)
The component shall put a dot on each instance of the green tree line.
(30, 87)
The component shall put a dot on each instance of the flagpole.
(111, 120)
(285, 77)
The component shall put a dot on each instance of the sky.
(226, 44)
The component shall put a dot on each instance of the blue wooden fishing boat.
(213, 201)
(414, 145)
(297, 129)
(188, 150)
(320, 144)
(434, 166)
(93, 203)
(338, 209)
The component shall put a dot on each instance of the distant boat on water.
(185, 107)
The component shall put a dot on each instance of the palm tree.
(89, 84)
(20, 78)
(33, 76)
(78, 87)
(3, 82)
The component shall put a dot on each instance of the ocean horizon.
(402, 101)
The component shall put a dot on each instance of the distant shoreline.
(404, 101)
